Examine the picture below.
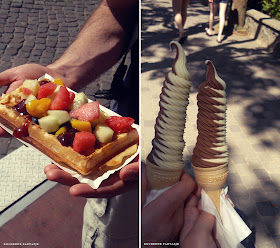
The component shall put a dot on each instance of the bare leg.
(213, 10)
(177, 6)
(222, 18)
(184, 12)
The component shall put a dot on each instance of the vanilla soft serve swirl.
(168, 143)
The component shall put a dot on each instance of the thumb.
(130, 172)
(205, 223)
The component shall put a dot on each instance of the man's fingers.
(191, 214)
(60, 176)
(197, 191)
(180, 191)
(6, 77)
(205, 223)
(130, 172)
(191, 201)
(82, 189)
(51, 167)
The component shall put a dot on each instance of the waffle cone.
(160, 178)
(212, 180)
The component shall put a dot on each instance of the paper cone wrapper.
(212, 180)
(160, 178)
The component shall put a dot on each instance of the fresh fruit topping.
(83, 142)
(30, 98)
(35, 120)
(32, 85)
(38, 108)
(44, 81)
(21, 131)
(52, 96)
(61, 115)
(103, 133)
(103, 116)
(21, 107)
(58, 81)
(81, 125)
(66, 139)
(119, 124)
(72, 97)
(49, 123)
(63, 99)
(61, 130)
(86, 112)
(79, 100)
(26, 91)
(46, 90)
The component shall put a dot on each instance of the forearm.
(97, 47)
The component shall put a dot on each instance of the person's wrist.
(60, 70)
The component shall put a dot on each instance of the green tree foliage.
(272, 8)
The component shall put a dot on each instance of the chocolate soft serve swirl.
(211, 148)
(168, 143)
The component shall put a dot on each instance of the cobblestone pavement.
(39, 32)
(252, 77)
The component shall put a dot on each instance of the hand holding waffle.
(120, 182)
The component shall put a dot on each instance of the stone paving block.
(234, 128)
(11, 51)
(36, 53)
(245, 205)
(243, 170)
(34, 58)
(6, 38)
(276, 178)
(5, 6)
(250, 181)
(24, 54)
(258, 194)
(261, 174)
(7, 57)
(272, 166)
(268, 186)
(4, 146)
(20, 61)
(254, 222)
(264, 240)
(239, 190)
(266, 208)
(4, 66)
(276, 240)
(9, 29)
(273, 224)
(237, 159)
(234, 178)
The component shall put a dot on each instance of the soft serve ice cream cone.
(165, 162)
(210, 155)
